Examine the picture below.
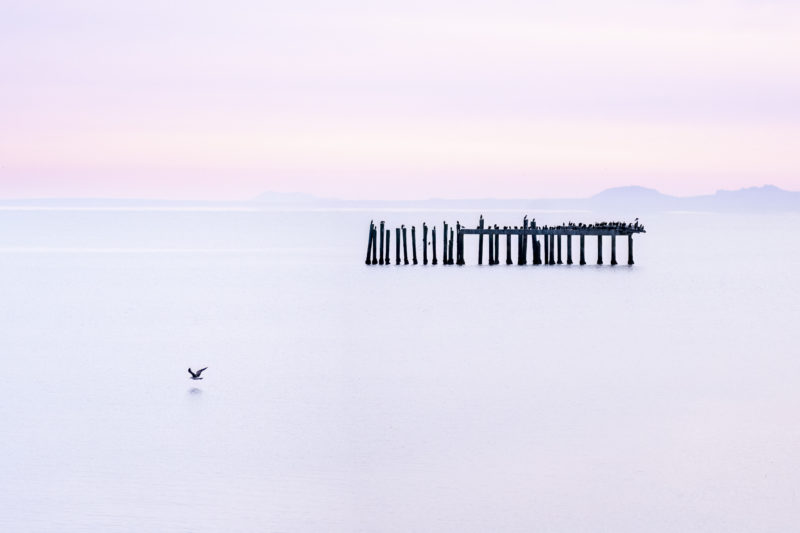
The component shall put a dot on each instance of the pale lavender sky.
(224, 100)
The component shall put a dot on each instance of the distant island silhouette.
(767, 198)
(617, 200)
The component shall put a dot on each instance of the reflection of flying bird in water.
(196, 375)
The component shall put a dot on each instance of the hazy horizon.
(435, 99)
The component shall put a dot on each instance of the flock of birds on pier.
(615, 225)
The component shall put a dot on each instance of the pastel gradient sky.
(413, 99)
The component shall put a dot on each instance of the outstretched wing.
(200, 371)
(193, 374)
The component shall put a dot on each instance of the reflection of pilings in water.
(405, 248)
(414, 244)
(433, 244)
(424, 243)
(508, 248)
(569, 249)
(583, 255)
(599, 249)
(613, 249)
(381, 259)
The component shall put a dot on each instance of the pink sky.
(225, 100)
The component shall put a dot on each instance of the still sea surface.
(663, 397)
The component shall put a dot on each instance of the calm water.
(344, 398)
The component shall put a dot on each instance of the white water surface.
(344, 398)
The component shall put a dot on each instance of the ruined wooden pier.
(548, 251)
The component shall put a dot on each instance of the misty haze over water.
(340, 397)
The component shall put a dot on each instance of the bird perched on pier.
(196, 375)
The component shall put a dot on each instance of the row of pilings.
(548, 251)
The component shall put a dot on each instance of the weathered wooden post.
(433, 244)
(405, 248)
(450, 248)
(537, 250)
(414, 244)
(397, 246)
(374, 245)
(424, 243)
(388, 240)
(559, 249)
(508, 248)
(569, 249)
(613, 249)
(491, 249)
(444, 244)
(546, 240)
(369, 244)
(552, 249)
(459, 245)
(583, 256)
(480, 241)
(381, 260)
(630, 248)
(496, 246)
(525, 240)
(599, 249)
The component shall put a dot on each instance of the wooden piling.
(444, 244)
(459, 245)
(397, 246)
(599, 249)
(569, 249)
(630, 249)
(433, 244)
(546, 239)
(491, 250)
(369, 244)
(424, 243)
(583, 256)
(381, 259)
(374, 245)
(613, 249)
(525, 241)
(552, 249)
(480, 241)
(558, 237)
(405, 248)
(414, 244)
(537, 250)
(496, 247)
(450, 248)
(508, 248)
(388, 242)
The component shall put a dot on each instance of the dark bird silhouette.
(196, 375)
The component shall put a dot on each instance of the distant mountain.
(622, 200)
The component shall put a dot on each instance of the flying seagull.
(196, 375)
